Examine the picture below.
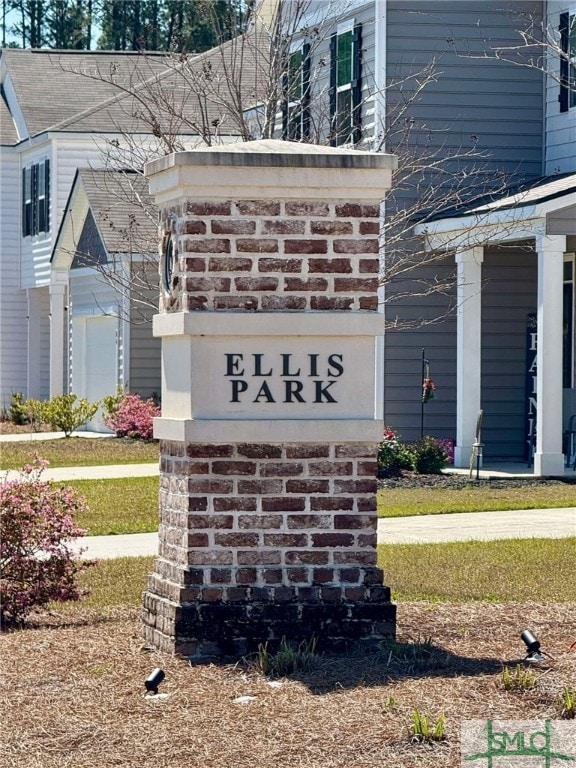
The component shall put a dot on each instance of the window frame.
(296, 112)
(346, 92)
(567, 30)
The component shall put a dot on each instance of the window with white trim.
(296, 117)
(36, 198)
(345, 84)
(567, 96)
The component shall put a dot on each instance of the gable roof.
(123, 210)
(8, 132)
(117, 205)
(103, 91)
(52, 86)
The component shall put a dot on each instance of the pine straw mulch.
(73, 694)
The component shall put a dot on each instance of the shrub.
(429, 456)
(63, 414)
(111, 403)
(131, 416)
(393, 456)
(36, 522)
(35, 411)
(447, 444)
(17, 411)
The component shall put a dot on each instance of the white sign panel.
(282, 377)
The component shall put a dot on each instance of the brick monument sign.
(270, 399)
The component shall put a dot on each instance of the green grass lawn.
(79, 452)
(514, 570)
(125, 505)
(404, 502)
(130, 505)
(529, 570)
(113, 582)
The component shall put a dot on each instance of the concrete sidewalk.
(476, 526)
(23, 437)
(104, 472)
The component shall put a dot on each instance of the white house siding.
(497, 107)
(560, 126)
(13, 300)
(36, 249)
(71, 154)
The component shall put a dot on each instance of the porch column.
(34, 344)
(468, 351)
(57, 320)
(548, 459)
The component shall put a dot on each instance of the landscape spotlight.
(533, 646)
(153, 680)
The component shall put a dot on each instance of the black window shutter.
(357, 83)
(46, 195)
(332, 90)
(24, 207)
(306, 68)
(563, 96)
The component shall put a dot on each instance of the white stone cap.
(269, 324)
(269, 431)
(271, 170)
(274, 153)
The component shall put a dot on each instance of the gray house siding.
(494, 110)
(509, 294)
(144, 361)
(403, 363)
(486, 103)
(144, 374)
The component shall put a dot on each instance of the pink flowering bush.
(131, 416)
(37, 563)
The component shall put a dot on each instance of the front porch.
(540, 219)
(509, 471)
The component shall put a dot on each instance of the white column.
(34, 326)
(468, 351)
(548, 459)
(57, 329)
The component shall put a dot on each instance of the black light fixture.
(535, 653)
(153, 680)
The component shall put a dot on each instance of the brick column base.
(264, 541)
